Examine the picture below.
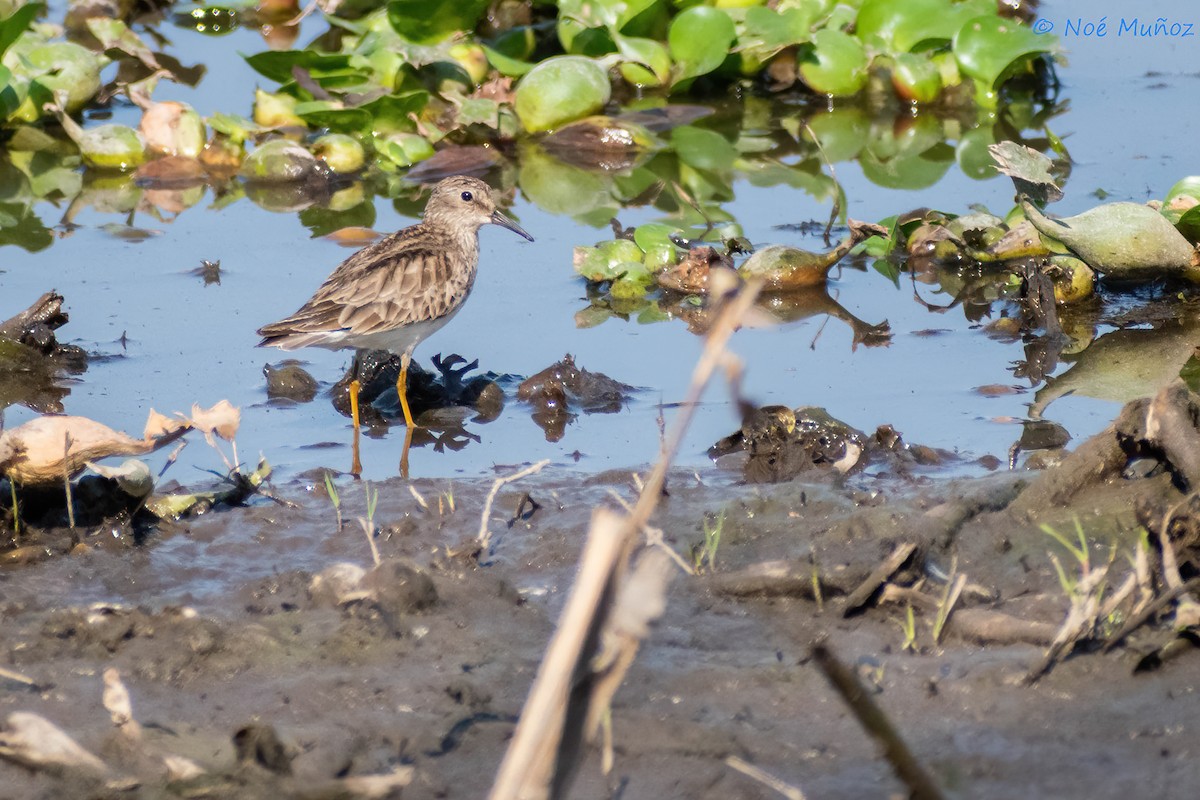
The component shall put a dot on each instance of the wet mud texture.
(277, 688)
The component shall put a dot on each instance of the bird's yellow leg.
(401, 390)
(355, 387)
(356, 463)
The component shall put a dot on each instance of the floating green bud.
(278, 161)
(112, 147)
(341, 152)
(559, 90)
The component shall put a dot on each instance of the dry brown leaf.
(222, 419)
(39, 452)
(161, 425)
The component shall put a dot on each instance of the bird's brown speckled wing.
(408, 277)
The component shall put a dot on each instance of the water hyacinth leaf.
(608, 260)
(1181, 197)
(506, 65)
(10, 96)
(394, 112)
(237, 128)
(1189, 224)
(278, 161)
(479, 111)
(653, 235)
(837, 65)
(1029, 170)
(634, 281)
(915, 78)
(703, 149)
(114, 34)
(431, 21)
(559, 90)
(699, 39)
(277, 65)
(774, 30)
(112, 147)
(1126, 241)
(275, 110)
(54, 67)
(344, 154)
(648, 53)
(16, 23)
(988, 47)
(902, 27)
(404, 149)
(332, 116)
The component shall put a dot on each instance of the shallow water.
(186, 342)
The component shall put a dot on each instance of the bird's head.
(461, 202)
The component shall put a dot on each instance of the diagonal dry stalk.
(607, 613)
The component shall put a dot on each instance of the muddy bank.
(216, 631)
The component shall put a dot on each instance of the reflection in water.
(772, 308)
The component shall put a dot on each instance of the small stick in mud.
(859, 597)
(920, 784)
(67, 479)
(484, 537)
(764, 777)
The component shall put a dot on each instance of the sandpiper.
(395, 293)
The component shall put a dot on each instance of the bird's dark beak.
(505, 222)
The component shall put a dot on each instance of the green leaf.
(404, 149)
(699, 40)
(16, 23)
(653, 234)
(703, 149)
(886, 268)
(237, 128)
(902, 27)
(326, 114)
(561, 89)
(609, 260)
(391, 112)
(277, 65)
(988, 47)
(647, 52)
(431, 21)
(775, 30)
(512, 67)
(837, 65)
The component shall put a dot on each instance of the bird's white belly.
(396, 340)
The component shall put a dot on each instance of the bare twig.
(857, 598)
(67, 479)
(764, 777)
(484, 537)
(920, 784)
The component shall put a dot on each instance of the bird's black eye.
(467, 197)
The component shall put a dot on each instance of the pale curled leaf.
(132, 476)
(35, 742)
(222, 419)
